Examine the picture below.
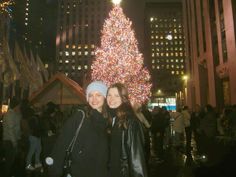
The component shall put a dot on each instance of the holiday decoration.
(118, 59)
(5, 7)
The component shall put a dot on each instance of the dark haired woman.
(126, 136)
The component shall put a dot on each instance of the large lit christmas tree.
(118, 59)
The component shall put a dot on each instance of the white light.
(116, 1)
(169, 37)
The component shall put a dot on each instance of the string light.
(5, 7)
(119, 60)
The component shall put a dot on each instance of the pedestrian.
(127, 154)
(11, 135)
(34, 138)
(158, 128)
(188, 132)
(90, 153)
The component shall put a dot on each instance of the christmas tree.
(118, 58)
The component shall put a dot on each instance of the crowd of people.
(108, 136)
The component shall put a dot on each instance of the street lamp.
(116, 2)
(185, 94)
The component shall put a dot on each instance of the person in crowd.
(208, 131)
(167, 137)
(188, 132)
(127, 154)
(146, 127)
(11, 135)
(90, 153)
(48, 129)
(178, 128)
(34, 141)
(196, 117)
(159, 125)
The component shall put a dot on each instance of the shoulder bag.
(68, 159)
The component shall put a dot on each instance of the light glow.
(116, 2)
(119, 60)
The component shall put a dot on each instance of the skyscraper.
(165, 48)
(78, 32)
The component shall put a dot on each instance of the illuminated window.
(151, 19)
(66, 61)
(67, 46)
(67, 53)
(79, 53)
(73, 53)
(86, 53)
(153, 61)
(85, 66)
(92, 53)
(158, 67)
(79, 46)
(172, 72)
(60, 61)
(73, 67)
(177, 72)
(153, 67)
(177, 60)
(73, 47)
(79, 67)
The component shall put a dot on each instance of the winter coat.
(127, 156)
(90, 153)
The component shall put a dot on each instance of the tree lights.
(119, 60)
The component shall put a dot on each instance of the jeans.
(34, 148)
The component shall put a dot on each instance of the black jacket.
(90, 153)
(127, 156)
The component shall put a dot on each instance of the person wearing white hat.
(90, 151)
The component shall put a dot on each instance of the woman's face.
(96, 100)
(113, 98)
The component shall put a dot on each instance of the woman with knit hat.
(90, 151)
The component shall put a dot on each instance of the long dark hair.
(125, 108)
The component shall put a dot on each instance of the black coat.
(127, 156)
(90, 153)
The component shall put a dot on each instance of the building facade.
(78, 30)
(79, 33)
(165, 47)
(210, 52)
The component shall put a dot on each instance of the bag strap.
(72, 143)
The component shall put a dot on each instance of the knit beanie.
(96, 86)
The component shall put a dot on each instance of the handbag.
(68, 159)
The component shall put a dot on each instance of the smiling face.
(96, 100)
(113, 98)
